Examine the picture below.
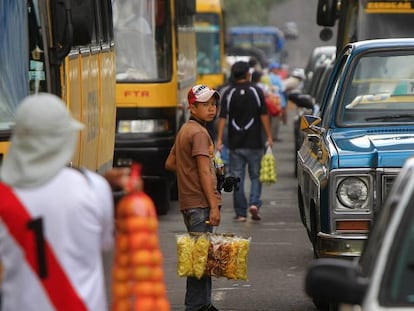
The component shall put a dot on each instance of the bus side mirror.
(73, 25)
(83, 18)
(326, 12)
(190, 7)
(185, 7)
(62, 29)
(326, 34)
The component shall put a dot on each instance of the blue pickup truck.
(356, 145)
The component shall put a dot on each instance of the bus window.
(37, 66)
(208, 43)
(141, 51)
(13, 61)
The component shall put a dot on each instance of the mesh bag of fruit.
(268, 173)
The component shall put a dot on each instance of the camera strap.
(203, 124)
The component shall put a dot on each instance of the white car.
(383, 277)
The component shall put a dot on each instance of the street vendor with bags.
(192, 157)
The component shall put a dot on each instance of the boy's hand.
(214, 217)
(118, 178)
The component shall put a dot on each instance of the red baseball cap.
(201, 93)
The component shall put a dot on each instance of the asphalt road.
(279, 249)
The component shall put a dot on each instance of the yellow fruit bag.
(268, 168)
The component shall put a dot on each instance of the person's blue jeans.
(239, 159)
(198, 291)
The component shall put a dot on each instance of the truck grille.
(387, 179)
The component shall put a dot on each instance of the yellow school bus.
(210, 34)
(65, 48)
(155, 68)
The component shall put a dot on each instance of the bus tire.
(159, 191)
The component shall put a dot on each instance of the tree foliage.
(248, 12)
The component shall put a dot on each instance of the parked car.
(317, 56)
(356, 145)
(383, 277)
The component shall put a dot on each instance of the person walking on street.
(54, 220)
(278, 88)
(192, 158)
(244, 106)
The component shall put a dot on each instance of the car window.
(379, 91)
(322, 85)
(332, 86)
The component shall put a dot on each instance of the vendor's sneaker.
(254, 211)
(239, 219)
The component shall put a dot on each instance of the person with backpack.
(244, 106)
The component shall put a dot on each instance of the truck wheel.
(159, 191)
(301, 208)
(313, 233)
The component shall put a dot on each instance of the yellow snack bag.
(199, 256)
(241, 270)
(185, 255)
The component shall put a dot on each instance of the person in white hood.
(54, 220)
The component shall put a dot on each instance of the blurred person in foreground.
(54, 220)
(192, 158)
(244, 106)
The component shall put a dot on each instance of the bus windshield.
(384, 21)
(269, 40)
(143, 40)
(208, 43)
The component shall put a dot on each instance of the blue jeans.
(198, 291)
(239, 158)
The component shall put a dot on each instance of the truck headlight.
(352, 192)
(143, 126)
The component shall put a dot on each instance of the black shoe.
(208, 308)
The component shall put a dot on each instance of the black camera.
(228, 184)
(231, 183)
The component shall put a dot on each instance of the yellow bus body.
(147, 95)
(90, 96)
(151, 89)
(85, 80)
(217, 79)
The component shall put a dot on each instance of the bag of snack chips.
(218, 255)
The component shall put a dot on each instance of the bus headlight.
(143, 126)
(352, 193)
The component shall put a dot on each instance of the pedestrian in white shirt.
(54, 220)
